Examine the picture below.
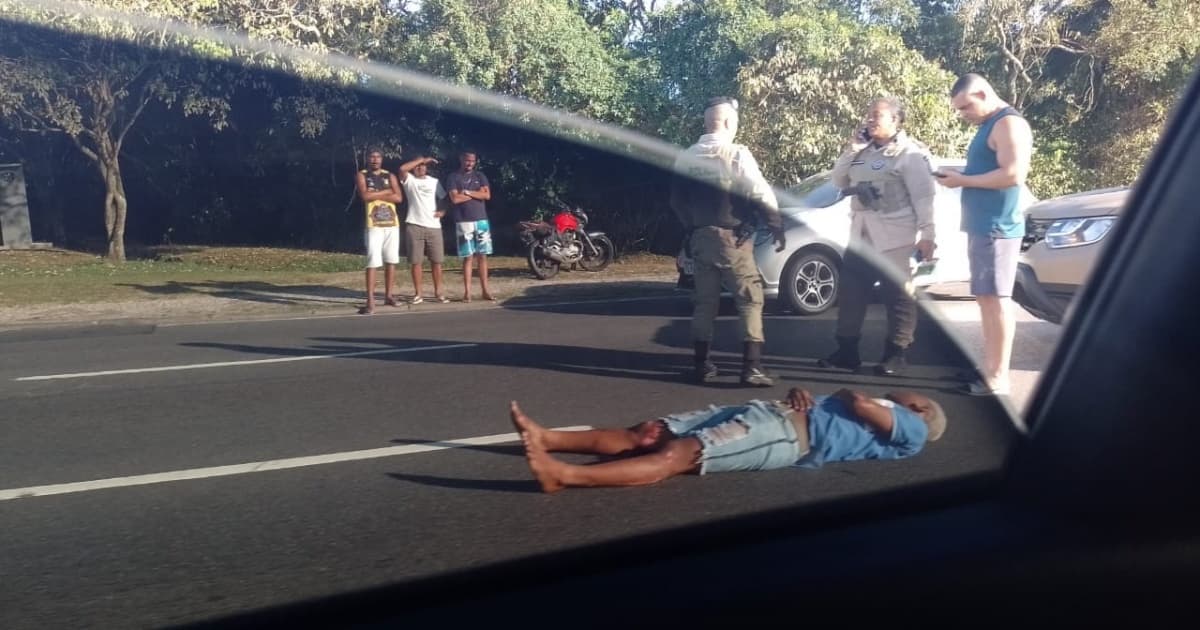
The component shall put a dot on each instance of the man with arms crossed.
(469, 190)
(997, 165)
(380, 194)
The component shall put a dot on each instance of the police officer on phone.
(890, 178)
(721, 197)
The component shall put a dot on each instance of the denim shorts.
(758, 435)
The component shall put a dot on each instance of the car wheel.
(809, 285)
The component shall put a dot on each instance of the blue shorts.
(474, 237)
(758, 435)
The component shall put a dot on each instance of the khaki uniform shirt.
(902, 209)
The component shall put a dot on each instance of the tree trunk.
(116, 233)
(115, 204)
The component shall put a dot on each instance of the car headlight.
(1076, 232)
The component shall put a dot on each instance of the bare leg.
(437, 279)
(467, 264)
(483, 277)
(677, 457)
(389, 283)
(416, 278)
(370, 290)
(648, 435)
(999, 327)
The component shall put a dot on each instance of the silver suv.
(1064, 237)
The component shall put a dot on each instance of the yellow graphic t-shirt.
(380, 213)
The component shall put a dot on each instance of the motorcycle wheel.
(542, 266)
(604, 255)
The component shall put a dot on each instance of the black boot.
(893, 361)
(753, 373)
(845, 357)
(704, 370)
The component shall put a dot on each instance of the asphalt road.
(220, 533)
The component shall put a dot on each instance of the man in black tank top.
(379, 191)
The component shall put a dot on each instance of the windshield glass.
(817, 192)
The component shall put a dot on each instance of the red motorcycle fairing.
(565, 221)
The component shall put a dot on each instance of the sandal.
(391, 302)
(366, 310)
(441, 298)
(417, 300)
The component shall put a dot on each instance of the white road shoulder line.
(201, 366)
(264, 466)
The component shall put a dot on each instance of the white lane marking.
(201, 366)
(264, 466)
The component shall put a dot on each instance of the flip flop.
(441, 298)
(417, 300)
(391, 302)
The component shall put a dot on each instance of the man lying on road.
(802, 431)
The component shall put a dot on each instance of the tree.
(1145, 52)
(808, 82)
(692, 52)
(93, 90)
(542, 51)
(91, 74)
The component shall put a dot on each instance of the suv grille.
(1035, 230)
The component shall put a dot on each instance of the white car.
(816, 218)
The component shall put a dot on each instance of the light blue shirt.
(836, 436)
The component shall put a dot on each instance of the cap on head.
(935, 419)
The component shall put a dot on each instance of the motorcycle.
(564, 241)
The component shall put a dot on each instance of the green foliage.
(543, 51)
(809, 81)
(694, 51)
(1056, 170)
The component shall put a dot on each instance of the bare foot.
(529, 430)
(466, 297)
(488, 296)
(546, 469)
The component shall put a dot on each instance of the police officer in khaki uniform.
(721, 197)
(890, 178)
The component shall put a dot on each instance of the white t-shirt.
(422, 194)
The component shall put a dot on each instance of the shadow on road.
(523, 486)
(646, 366)
(255, 291)
(793, 348)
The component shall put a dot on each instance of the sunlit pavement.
(1034, 344)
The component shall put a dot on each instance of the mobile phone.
(864, 134)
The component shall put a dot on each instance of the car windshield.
(816, 192)
(293, 302)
